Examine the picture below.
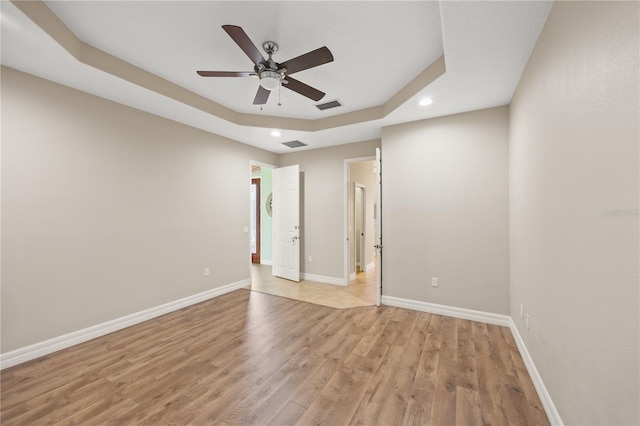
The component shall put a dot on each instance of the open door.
(378, 246)
(286, 217)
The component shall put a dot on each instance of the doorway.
(263, 278)
(261, 221)
(361, 260)
(360, 220)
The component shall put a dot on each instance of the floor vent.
(329, 105)
(294, 144)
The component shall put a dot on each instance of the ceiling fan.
(272, 74)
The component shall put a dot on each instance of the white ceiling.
(174, 39)
(379, 47)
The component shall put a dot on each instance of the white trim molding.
(451, 311)
(370, 266)
(323, 279)
(18, 356)
(545, 398)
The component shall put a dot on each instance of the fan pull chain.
(279, 90)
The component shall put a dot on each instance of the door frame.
(361, 239)
(257, 181)
(345, 215)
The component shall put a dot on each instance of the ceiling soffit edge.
(49, 22)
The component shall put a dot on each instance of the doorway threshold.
(333, 296)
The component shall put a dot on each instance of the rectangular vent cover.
(294, 144)
(329, 105)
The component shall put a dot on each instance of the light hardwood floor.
(253, 358)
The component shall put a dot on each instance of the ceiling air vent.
(328, 105)
(294, 144)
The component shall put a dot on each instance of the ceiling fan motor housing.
(267, 70)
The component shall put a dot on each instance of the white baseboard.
(352, 276)
(545, 398)
(370, 266)
(323, 279)
(46, 347)
(266, 262)
(468, 314)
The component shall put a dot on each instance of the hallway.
(360, 292)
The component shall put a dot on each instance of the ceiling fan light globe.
(270, 80)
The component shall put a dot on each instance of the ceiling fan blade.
(308, 60)
(261, 96)
(225, 73)
(242, 39)
(303, 89)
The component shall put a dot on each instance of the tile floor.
(360, 292)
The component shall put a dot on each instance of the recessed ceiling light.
(275, 133)
(425, 101)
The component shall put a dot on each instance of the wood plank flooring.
(253, 358)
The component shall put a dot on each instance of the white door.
(378, 246)
(286, 218)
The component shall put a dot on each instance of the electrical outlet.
(521, 310)
(206, 272)
(434, 282)
(527, 321)
(310, 259)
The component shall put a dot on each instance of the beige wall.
(323, 204)
(361, 172)
(107, 210)
(574, 142)
(445, 210)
